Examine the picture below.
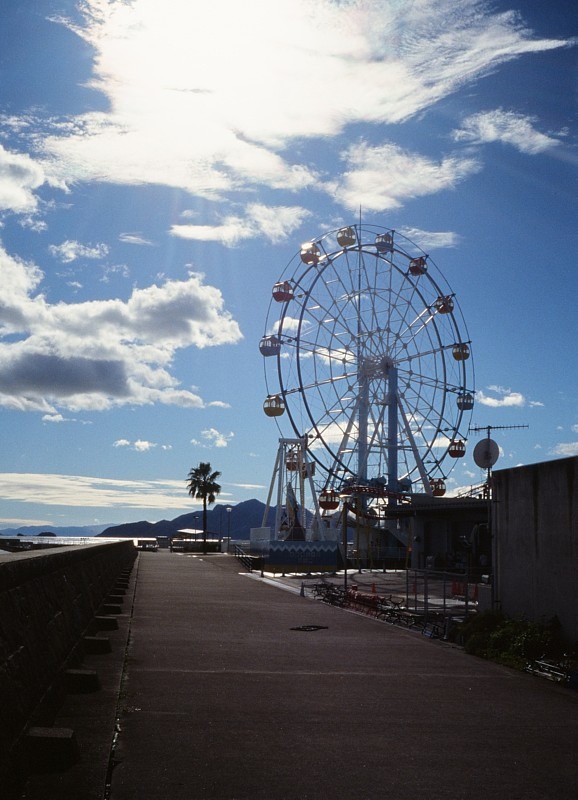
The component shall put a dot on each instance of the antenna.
(487, 452)
(488, 428)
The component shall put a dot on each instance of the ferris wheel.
(367, 357)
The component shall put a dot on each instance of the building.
(535, 539)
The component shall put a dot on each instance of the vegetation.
(513, 642)
(202, 484)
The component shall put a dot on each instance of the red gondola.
(438, 487)
(310, 253)
(461, 351)
(457, 449)
(346, 237)
(328, 499)
(418, 266)
(444, 305)
(283, 292)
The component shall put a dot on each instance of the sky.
(161, 165)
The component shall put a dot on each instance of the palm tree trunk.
(204, 526)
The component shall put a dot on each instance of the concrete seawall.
(49, 601)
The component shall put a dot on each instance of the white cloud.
(216, 438)
(70, 251)
(276, 224)
(114, 270)
(208, 100)
(384, 177)
(507, 127)
(566, 449)
(506, 398)
(60, 418)
(431, 240)
(140, 445)
(135, 238)
(91, 492)
(94, 355)
(19, 177)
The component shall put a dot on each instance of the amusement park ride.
(368, 369)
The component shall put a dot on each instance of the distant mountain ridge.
(237, 523)
(38, 530)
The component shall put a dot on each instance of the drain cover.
(310, 628)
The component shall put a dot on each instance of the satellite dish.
(486, 453)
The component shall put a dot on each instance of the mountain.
(236, 523)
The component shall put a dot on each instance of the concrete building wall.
(536, 542)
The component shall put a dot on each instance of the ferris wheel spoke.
(316, 384)
(429, 380)
(417, 326)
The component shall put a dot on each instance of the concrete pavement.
(226, 697)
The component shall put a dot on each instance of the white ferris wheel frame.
(368, 340)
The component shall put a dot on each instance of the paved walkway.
(224, 698)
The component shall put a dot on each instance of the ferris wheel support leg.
(270, 494)
(419, 463)
(362, 429)
(276, 476)
(318, 523)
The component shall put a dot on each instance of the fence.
(433, 602)
(445, 593)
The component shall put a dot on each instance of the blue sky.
(160, 166)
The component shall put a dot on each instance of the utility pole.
(486, 454)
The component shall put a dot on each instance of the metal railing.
(251, 562)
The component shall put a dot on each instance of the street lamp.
(229, 509)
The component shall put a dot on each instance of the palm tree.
(202, 484)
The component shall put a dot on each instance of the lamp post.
(229, 509)
(344, 542)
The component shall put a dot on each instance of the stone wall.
(536, 542)
(48, 600)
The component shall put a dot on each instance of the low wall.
(47, 602)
